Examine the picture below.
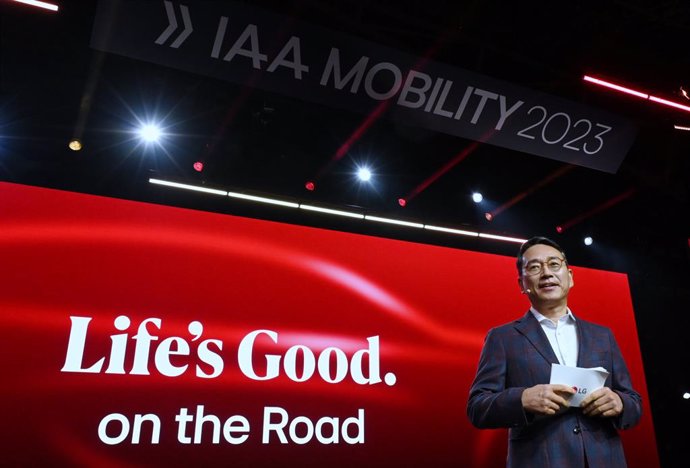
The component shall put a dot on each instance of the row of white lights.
(349, 214)
(151, 133)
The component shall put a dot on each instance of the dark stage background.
(259, 135)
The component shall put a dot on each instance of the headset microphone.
(527, 291)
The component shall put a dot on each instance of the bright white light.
(188, 187)
(270, 201)
(669, 103)
(477, 197)
(681, 127)
(333, 212)
(36, 3)
(588, 240)
(150, 133)
(399, 222)
(502, 238)
(451, 230)
(364, 174)
(615, 86)
(686, 396)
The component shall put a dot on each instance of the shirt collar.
(540, 318)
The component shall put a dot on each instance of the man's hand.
(546, 398)
(602, 402)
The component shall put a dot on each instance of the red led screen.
(143, 335)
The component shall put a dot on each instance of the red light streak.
(36, 3)
(640, 94)
(446, 167)
(554, 175)
(597, 209)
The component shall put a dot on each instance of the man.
(511, 388)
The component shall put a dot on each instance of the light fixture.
(36, 3)
(194, 188)
(622, 89)
(150, 133)
(364, 174)
(640, 94)
(399, 222)
(198, 166)
(270, 201)
(310, 186)
(681, 127)
(75, 144)
(319, 209)
(502, 238)
(666, 102)
(588, 240)
(477, 197)
(683, 92)
(460, 232)
(330, 211)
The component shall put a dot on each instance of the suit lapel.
(583, 347)
(531, 329)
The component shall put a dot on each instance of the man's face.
(546, 287)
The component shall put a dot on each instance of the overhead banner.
(255, 47)
(143, 335)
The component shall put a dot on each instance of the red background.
(65, 254)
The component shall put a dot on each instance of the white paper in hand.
(584, 381)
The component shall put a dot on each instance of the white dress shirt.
(562, 335)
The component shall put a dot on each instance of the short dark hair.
(536, 241)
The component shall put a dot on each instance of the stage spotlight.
(559, 229)
(310, 186)
(686, 396)
(477, 197)
(150, 133)
(75, 145)
(488, 216)
(364, 174)
(588, 240)
(198, 166)
(402, 202)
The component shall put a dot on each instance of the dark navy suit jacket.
(518, 355)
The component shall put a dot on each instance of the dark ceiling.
(270, 143)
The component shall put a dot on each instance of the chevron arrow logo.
(172, 25)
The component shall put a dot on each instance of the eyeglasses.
(536, 267)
